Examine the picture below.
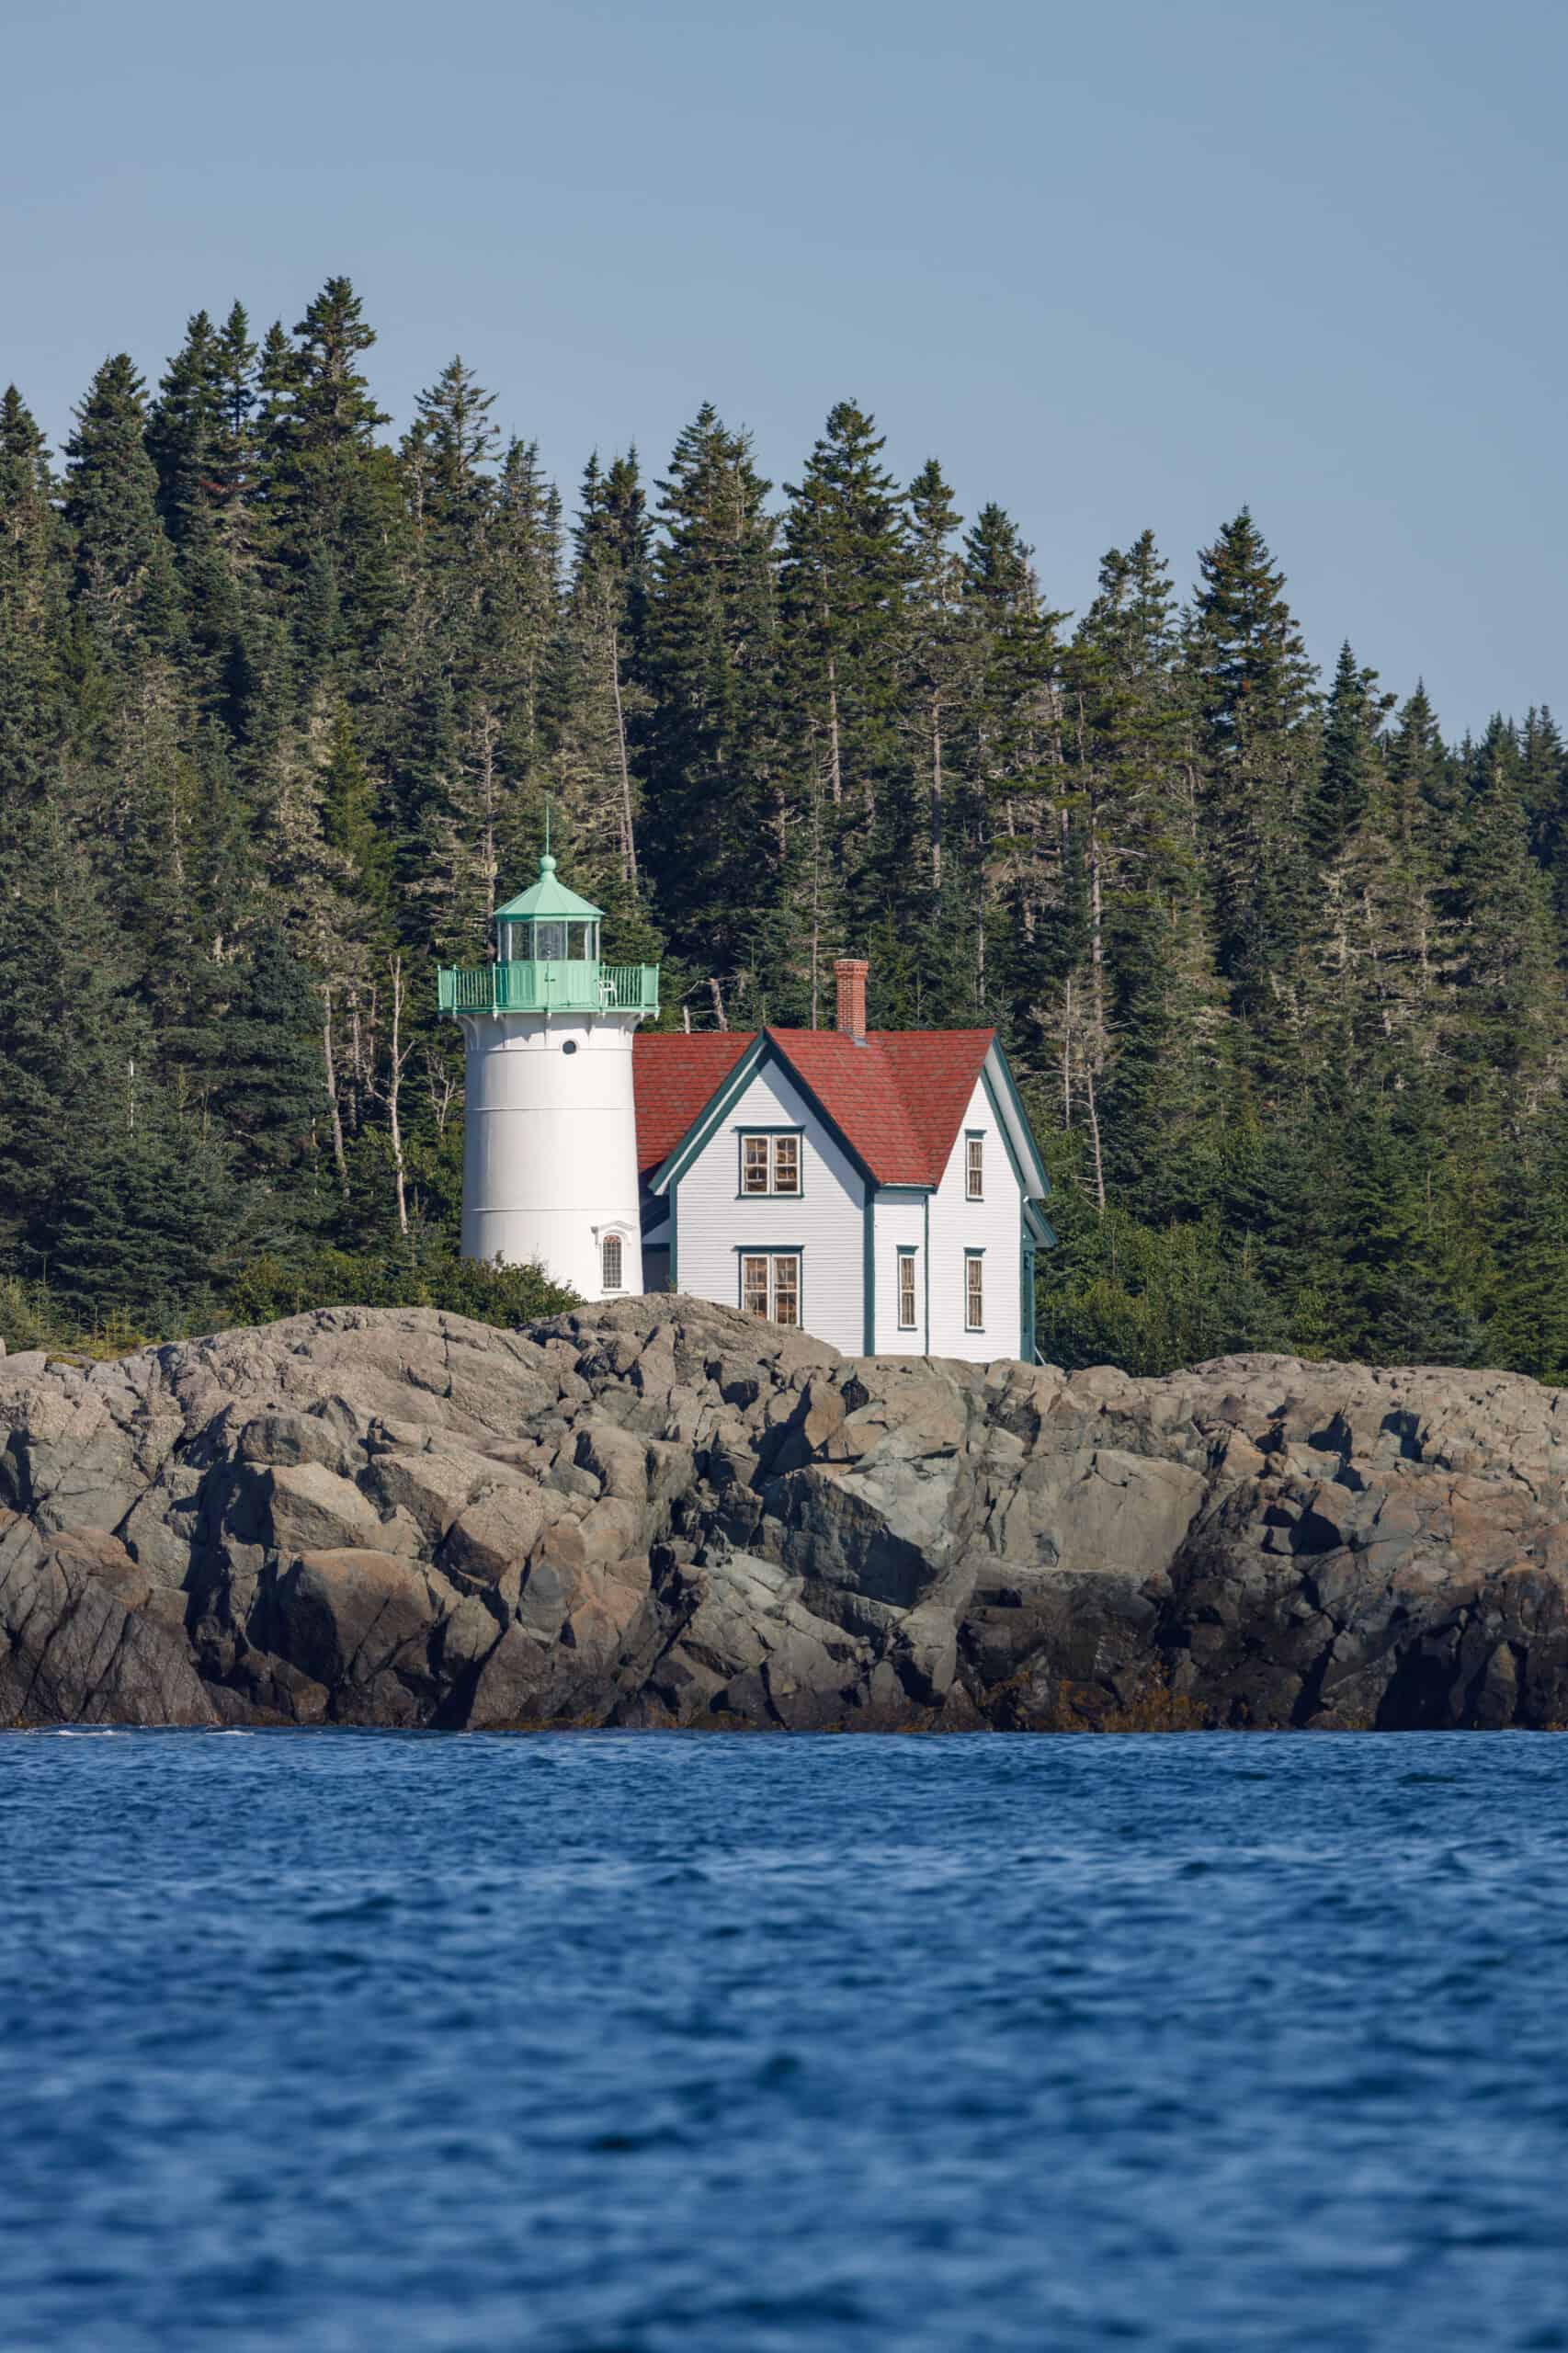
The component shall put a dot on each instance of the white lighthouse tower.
(550, 1123)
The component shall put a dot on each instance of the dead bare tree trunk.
(1067, 1054)
(340, 1157)
(627, 836)
(937, 795)
(1094, 1131)
(718, 1001)
(390, 1092)
(835, 768)
(488, 734)
(816, 889)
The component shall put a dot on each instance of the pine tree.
(1251, 683)
(599, 679)
(272, 1094)
(124, 571)
(1021, 849)
(716, 853)
(489, 734)
(332, 490)
(935, 651)
(68, 1034)
(1503, 1027)
(150, 1221)
(1351, 724)
(1152, 1048)
(184, 431)
(350, 821)
(32, 610)
(842, 579)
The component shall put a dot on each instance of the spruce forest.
(282, 698)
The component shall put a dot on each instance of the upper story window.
(770, 1163)
(906, 1291)
(974, 1168)
(611, 1254)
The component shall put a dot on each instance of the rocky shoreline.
(661, 1513)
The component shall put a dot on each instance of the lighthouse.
(550, 1123)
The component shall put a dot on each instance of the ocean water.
(590, 2043)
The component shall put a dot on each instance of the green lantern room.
(547, 960)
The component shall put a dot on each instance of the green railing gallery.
(571, 985)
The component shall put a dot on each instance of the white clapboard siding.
(715, 1221)
(994, 1225)
(899, 1222)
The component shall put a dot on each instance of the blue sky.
(1121, 265)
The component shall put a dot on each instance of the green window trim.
(770, 1251)
(906, 1253)
(774, 1132)
(973, 1258)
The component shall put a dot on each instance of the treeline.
(282, 701)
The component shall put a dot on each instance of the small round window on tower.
(569, 1046)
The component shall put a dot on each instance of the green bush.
(427, 1275)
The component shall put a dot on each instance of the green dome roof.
(545, 897)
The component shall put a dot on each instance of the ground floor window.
(611, 1252)
(770, 1285)
(973, 1293)
(906, 1291)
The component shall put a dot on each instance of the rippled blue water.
(604, 2044)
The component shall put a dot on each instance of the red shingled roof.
(673, 1077)
(897, 1099)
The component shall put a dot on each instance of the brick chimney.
(849, 971)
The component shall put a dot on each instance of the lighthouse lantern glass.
(549, 943)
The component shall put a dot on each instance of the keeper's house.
(880, 1189)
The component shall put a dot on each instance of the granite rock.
(662, 1512)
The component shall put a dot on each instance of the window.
(974, 1168)
(786, 1289)
(770, 1285)
(610, 1253)
(770, 1163)
(973, 1291)
(550, 942)
(906, 1291)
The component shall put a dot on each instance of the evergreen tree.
(32, 611)
(1504, 1027)
(1351, 725)
(716, 846)
(1019, 842)
(1251, 683)
(842, 579)
(600, 671)
(124, 573)
(1153, 1051)
(271, 1097)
